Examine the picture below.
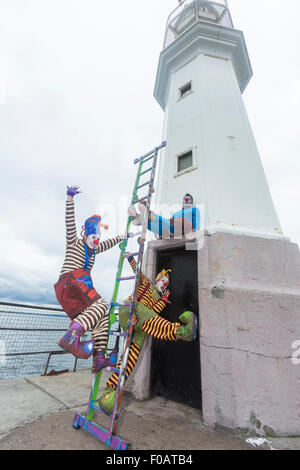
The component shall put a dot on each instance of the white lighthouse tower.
(211, 153)
(243, 283)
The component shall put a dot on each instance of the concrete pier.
(37, 413)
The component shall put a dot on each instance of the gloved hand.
(165, 295)
(72, 190)
(130, 234)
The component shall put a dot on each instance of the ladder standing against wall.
(109, 436)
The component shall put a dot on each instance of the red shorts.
(75, 292)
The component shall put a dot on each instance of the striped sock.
(100, 333)
(92, 315)
(133, 355)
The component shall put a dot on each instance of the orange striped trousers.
(157, 327)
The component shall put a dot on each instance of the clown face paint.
(92, 241)
(162, 284)
(187, 201)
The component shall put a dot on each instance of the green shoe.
(107, 400)
(187, 331)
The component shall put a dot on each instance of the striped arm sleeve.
(71, 235)
(158, 305)
(108, 244)
(132, 263)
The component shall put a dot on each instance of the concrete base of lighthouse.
(249, 311)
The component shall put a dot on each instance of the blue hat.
(92, 225)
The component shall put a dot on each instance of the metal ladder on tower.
(109, 436)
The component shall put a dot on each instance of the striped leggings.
(95, 319)
(157, 327)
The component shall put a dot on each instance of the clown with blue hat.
(75, 291)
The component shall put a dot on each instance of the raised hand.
(166, 294)
(72, 190)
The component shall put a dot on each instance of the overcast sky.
(77, 106)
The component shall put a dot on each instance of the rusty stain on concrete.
(220, 265)
(238, 250)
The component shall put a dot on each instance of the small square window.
(185, 161)
(185, 89)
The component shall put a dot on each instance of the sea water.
(28, 336)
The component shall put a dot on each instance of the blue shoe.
(100, 361)
(71, 341)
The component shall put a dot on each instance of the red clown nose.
(96, 242)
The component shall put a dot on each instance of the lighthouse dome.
(190, 11)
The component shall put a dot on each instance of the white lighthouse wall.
(228, 176)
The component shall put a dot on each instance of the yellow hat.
(163, 273)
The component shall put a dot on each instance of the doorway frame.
(140, 384)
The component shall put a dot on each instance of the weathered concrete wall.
(249, 301)
(249, 308)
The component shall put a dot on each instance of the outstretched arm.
(111, 242)
(132, 263)
(71, 233)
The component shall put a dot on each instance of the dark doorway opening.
(175, 366)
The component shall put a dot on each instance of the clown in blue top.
(181, 223)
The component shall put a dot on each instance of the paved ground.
(37, 413)
(153, 431)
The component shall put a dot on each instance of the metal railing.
(28, 341)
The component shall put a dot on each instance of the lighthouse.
(243, 281)
(203, 70)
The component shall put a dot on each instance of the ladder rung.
(146, 171)
(154, 151)
(100, 433)
(116, 333)
(126, 278)
(147, 159)
(115, 304)
(144, 184)
(148, 156)
(140, 200)
(126, 255)
(113, 369)
(94, 407)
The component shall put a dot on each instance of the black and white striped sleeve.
(71, 234)
(110, 243)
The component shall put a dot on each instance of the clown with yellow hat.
(152, 298)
